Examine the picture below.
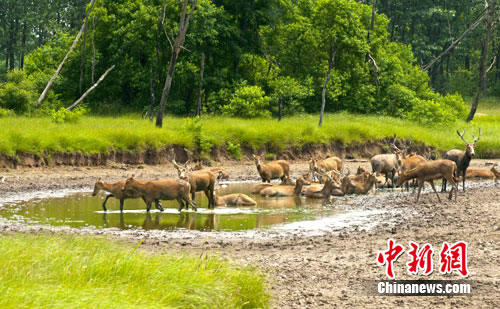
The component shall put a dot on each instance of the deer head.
(469, 150)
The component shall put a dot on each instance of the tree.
(176, 48)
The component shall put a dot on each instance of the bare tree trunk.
(200, 84)
(80, 100)
(152, 90)
(179, 42)
(482, 64)
(52, 79)
(93, 50)
(84, 41)
(280, 108)
(323, 93)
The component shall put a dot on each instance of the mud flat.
(316, 267)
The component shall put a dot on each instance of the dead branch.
(80, 100)
(491, 65)
(53, 78)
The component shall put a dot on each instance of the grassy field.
(71, 272)
(101, 134)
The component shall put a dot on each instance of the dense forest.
(252, 58)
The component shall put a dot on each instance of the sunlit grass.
(93, 134)
(84, 272)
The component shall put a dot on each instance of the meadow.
(101, 134)
(73, 271)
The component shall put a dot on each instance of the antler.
(173, 161)
(462, 136)
(476, 140)
(394, 148)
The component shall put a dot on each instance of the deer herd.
(325, 178)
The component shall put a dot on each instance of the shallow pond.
(83, 210)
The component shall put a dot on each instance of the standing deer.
(461, 158)
(407, 161)
(272, 170)
(326, 165)
(431, 171)
(202, 180)
(386, 163)
(115, 190)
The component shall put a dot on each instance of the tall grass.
(72, 272)
(101, 134)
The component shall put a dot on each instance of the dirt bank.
(328, 269)
(218, 154)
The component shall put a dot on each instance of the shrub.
(430, 112)
(65, 116)
(6, 112)
(248, 102)
(18, 93)
(234, 150)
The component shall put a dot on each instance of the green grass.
(72, 272)
(93, 134)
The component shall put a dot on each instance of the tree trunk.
(82, 62)
(179, 42)
(323, 93)
(280, 108)
(93, 50)
(200, 84)
(482, 63)
(52, 79)
(80, 100)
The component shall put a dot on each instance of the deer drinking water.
(461, 158)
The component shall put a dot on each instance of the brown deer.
(359, 184)
(331, 187)
(407, 161)
(495, 171)
(116, 191)
(431, 171)
(218, 171)
(166, 189)
(272, 170)
(202, 180)
(325, 165)
(480, 173)
(274, 191)
(386, 163)
(461, 158)
(236, 199)
(258, 187)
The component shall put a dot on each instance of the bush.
(248, 102)
(234, 150)
(65, 116)
(6, 112)
(430, 112)
(17, 94)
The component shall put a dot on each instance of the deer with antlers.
(202, 180)
(461, 158)
(386, 164)
(407, 161)
(431, 171)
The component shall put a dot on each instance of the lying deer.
(272, 170)
(236, 199)
(359, 184)
(219, 172)
(480, 173)
(331, 187)
(116, 191)
(431, 171)
(274, 191)
(202, 180)
(326, 165)
(461, 158)
(155, 190)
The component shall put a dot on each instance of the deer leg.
(181, 203)
(158, 205)
(121, 204)
(443, 186)
(192, 203)
(392, 178)
(463, 180)
(148, 206)
(434, 188)
(105, 200)
(420, 184)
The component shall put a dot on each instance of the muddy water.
(83, 210)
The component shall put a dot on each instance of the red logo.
(451, 258)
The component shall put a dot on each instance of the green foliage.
(65, 116)
(234, 150)
(248, 102)
(73, 271)
(17, 94)
(6, 113)
(194, 127)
